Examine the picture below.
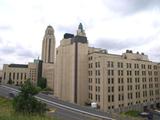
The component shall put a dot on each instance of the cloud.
(154, 53)
(27, 53)
(126, 7)
(1, 40)
(5, 27)
(66, 29)
(117, 44)
(18, 51)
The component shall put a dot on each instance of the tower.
(80, 31)
(48, 46)
(71, 76)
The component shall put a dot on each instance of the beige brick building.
(71, 72)
(48, 72)
(18, 73)
(81, 74)
(0, 76)
(114, 82)
(48, 56)
(118, 81)
(48, 46)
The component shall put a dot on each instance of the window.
(4, 75)
(109, 98)
(25, 76)
(10, 76)
(21, 76)
(13, 75)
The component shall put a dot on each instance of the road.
(63, 110)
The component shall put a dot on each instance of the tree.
(26, 103)
(42, 83)
(10, 81)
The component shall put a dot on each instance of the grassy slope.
(7, 113)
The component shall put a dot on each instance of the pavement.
(63, 110)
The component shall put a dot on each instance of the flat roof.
(18, 65)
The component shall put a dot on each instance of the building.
(48, 46)
(80, 74)
(0, 76)
(48, 56)
(19, 73)
(48, 72)
(114, 82)
(71, 68)
(119, 82)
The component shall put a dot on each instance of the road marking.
(64, 106)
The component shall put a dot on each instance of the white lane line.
(104, 117)
(81, 111)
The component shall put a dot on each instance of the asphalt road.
(64, 110)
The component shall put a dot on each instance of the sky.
(115, 25)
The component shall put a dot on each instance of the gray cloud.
(155, 52)
(66, 29)
(1, 40)
(7, 50)
(18, 50)
(23, 52)
(5, 27)
(115, 44)
(126, 7)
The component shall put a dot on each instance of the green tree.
(26, 103)
(42, 83)
(10, 81)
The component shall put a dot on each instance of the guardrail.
(65, 106)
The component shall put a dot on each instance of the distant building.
(0, 76)
(123, 81)
(71, 72)
(48, 72)
(80, 74)
(18, 73)
(48, 56)
(48, 46)
(114, 82)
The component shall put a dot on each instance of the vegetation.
(26, 103)
(42, 83)
(10, 81)
(132, 113)
(7, 112)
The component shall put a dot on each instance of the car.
(12, 94)
(144, 114)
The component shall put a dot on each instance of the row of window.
(15, 76)
(97, 88)
(121, 73)
(110, 64)
(97, 97)
(121, 80)
(121, 88)
(121, 98)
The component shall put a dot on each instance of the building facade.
(122, 81)
(114, 82)
(82, 74)
(48, 72)
(19, 73)
(0, 76)
(48, 56)
(71, 68)
(48, 46)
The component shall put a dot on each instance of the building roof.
(18, 65)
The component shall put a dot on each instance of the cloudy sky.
(115, 25)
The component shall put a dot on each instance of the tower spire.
(80, 27)
(81, 31)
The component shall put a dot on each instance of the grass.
(7, 112)
(132, 113)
